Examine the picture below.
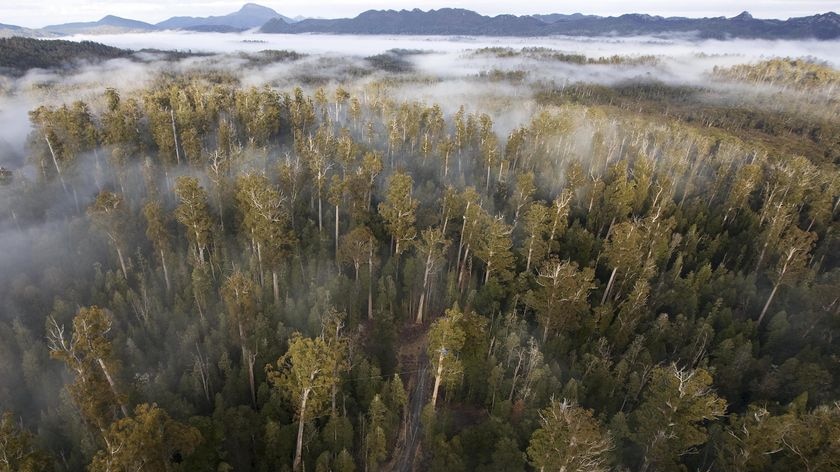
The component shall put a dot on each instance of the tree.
(529, 365)
(333, 324)
(341, 96)
(371, 167)
(523, 194)
(560, 214)
(431, 248)
(18, 452)
(305, 375)
(812, 443)
(357, 247)
(240, 297)
(569, 440)
(335, 196)
(159, 236)
(795, 246)
(623, 252)
(267, 221)
(375, 440)
(148, 440)
(744, 184)
(752, 441)
(794, 440)
(398, 210)
(89, 354)
(671, 420)
(122, 127)
(194, 213)
(67, 131)
(446, 338)
(444, 150)
(108, 213)
(536, 245)
(494, 249)
(562, 296)
(317, 152)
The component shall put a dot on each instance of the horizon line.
(304, 17)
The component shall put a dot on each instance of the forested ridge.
(20, 54)
(210, 276)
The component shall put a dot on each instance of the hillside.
(19, 54)
(109, 24)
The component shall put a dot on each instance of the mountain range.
(451, 21)
(456, 21)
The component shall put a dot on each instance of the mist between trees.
(201, 274)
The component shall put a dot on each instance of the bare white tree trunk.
(296, 465)
(113, 386)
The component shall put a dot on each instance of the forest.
(203, 273)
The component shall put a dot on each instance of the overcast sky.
(38, 13)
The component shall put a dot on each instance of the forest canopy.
(206, 274)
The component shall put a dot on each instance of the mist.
(548, 147)
(449, 64)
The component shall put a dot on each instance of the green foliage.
(620, 232)
(20, 54)
(569, 439)
(670, 421)
(18, 451)
(149, 439)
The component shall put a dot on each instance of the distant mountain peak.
(255, 8)
(107, 24)
(830, 16)
(745, 15)
(251, 15)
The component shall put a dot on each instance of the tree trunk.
(260, 264)
(112, 385)
(205, 377)
(421, 305)
(445, 164)
(250, 359)
(767, 305)
(199, 249)
(122, 263)
(761, 255)
(320, 213)
(438, 376)
(461, 239)
(336, 239)
(370, 283)
(165, 271)
(175, 135)
(275, 281)
(609, 286)
(55, 163)
(515, 378)
(296, 465)
(530, 253)
(419, 319)
(463, 265)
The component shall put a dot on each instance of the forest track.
(412, 358)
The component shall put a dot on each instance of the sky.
(39, 13)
